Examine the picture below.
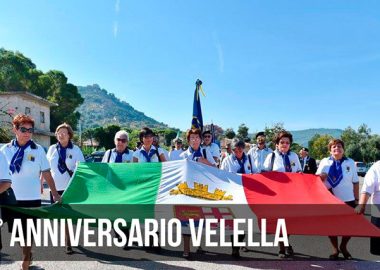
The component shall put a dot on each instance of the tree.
(229, 133)
(353, 151)
(270, 133)
(318, 146)
(373, 150)
(360, 145)
(168, 134)
(19, 73)
(295, 147)
(218, 131)
(105, 136)
(15, 71)
(242, 132)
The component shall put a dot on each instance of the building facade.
(37, 107)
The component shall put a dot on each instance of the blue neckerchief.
(335, 175)
(196, 154)
(17, 158)
(62, 168)
(119, 156)
(286, 161)
(147, 156)
(241, 163)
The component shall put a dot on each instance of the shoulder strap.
(272, 162)
(109, 155)
(204, 153)
(158, 155)
(250, 162)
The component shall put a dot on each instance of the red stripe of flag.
(305, 203)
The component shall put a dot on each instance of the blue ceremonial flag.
(197, 121)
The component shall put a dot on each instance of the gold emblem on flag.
(201, 191)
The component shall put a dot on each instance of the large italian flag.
(186, 189)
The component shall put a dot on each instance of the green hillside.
(101, 108)
(302, 137)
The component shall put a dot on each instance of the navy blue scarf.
(286, 161)
(119, 156)
(150, 155)
(335, 175)
(17, 158)
(196, 153)
(241, 163)
(62, 156)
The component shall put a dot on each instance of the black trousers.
(375, 241)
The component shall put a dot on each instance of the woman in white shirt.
(200, 154)
(63, 158)
(175, 153)
(371, 189)
(7, 196)
(283, 160)
(147, 152)
(120, 153)
(340, 176)
(27, 161)
(237, 162)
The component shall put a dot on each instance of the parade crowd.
(24, 164)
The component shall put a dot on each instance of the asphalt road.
(311, 252)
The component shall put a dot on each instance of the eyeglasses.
(284, 142)
(121, 140)
(63, 133)
(207, 136)
(25, 130)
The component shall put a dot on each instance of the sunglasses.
(25, 130)
(121, 140)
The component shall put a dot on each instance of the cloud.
(115, 29)
(117, 6)
(219, 50)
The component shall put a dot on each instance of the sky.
(307, 64)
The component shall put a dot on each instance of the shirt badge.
(348, 169)
(70, 156)
(292, 164)
(31, 158)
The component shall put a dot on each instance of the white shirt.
(231, 164)
(278, 164)
(214, 149)
(73, 156)
(166, 153)
(125, 157)
(371, 186)
(190, 156)
(26, 184)
(5, 173)
(258, 157)
(344, 190)
(141, 158)
(174, 154)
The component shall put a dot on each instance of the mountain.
(303, 137)
(101, 108)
